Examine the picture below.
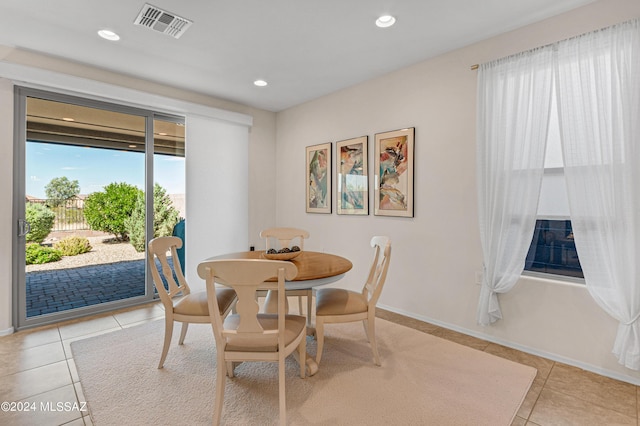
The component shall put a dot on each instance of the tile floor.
(37, 371)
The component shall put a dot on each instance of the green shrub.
(40, 220)
(135, 225)
(73, 246)
(37, 254)
(165, 217)
(107, 210)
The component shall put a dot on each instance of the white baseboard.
(6, 332)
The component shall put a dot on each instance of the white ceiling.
(304, 48)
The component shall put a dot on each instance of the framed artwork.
(394, 173)
(318, 165)
(353, 176)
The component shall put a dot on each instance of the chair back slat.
(165, 273)
(283, 236)
(247, 307)
(379, 267)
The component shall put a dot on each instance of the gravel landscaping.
(104, 250)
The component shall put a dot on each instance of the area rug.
(423, 380)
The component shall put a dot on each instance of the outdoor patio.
(62, 289)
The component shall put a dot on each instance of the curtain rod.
(555, 44)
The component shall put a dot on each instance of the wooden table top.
(311, 265)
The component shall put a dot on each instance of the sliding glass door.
(84, 197)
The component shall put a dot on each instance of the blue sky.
(95, 168)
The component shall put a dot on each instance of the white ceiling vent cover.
(162, 21)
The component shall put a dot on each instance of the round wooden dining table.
(314, 269)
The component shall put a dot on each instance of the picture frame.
(393, 181)
(352, 176)
(318, 178)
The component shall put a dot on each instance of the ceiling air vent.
(162, 21)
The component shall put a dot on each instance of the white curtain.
(598, 87)
(514, 98)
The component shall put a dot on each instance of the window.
(553, 250)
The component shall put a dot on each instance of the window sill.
(554, 279)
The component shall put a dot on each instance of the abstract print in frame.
(394, 173)
(318, 162)
(353, 176)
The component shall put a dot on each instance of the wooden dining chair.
(191, 307)
(335, 305)
(278, 238)
(249, 335)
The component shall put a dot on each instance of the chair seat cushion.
(294, 325)
(226, 296)
(196, 303)
(337, 301)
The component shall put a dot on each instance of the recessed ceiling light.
(260, 83)
(68, 119)
(132, 146)
(385, 21)
(109, 35)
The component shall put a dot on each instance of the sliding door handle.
(24, 227)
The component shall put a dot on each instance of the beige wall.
(437, 253)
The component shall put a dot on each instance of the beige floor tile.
(87, 421)
(556, 408)
(518, 421)
(26, 339)
(462, 339)
(73, 370)
(593, 388)
(85, 327)
(134, 324)
(406, 321)
(32, 357)
(543, 365)
(53, 408)
(530, 399)
(32, 382)
(76, 422)
(141, 314)
(81, 398)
